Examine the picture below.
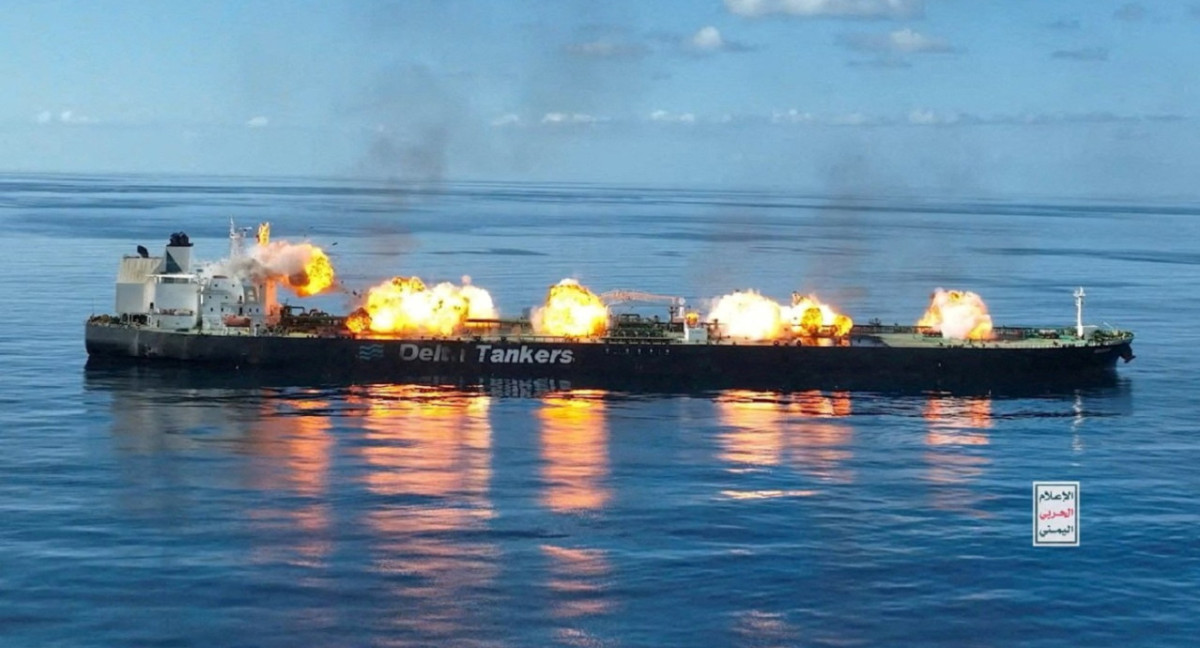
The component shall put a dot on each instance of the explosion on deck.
(303, 267)
(810, 317)
(957, 314)
(315, 277)
(749, 315)
(571, 310)
(406, 306)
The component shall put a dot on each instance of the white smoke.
(747, 314)
(958, 314)
(479, 301)
(275, 260)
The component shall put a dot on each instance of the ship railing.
(1006, 333)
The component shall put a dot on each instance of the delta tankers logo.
(484, 354)
(370, 352)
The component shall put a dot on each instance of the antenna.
(1079, 295)
(236, 236)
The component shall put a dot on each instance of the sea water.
(138, 508)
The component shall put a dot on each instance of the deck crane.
(675, 304)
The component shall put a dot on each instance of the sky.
(956, 97)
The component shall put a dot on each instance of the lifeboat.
(236, 320)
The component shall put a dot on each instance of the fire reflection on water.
(428, 451)
(575, 466)
(954, 424)
(574, 444)
(578, 580)
(295, 432)
(770, 429)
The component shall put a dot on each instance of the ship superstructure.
(166, 293)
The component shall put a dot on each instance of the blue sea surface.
(142, 508)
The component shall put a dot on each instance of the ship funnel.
(179, 254)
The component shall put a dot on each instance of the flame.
(748, 314)
(571, 310)
(809, 316)
(405, 306)
(317, 275)
(958, 314)
(303, 267)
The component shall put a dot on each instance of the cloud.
(795, 118)
(623, 44)
(924, 117)
(930, 118)
(860, 9)
(63, 117)
(71, 117)
(570, 118)
(257, 122)
(708, 39)
(607, 49)
(1065, 24)
(792, 116)
(1131, 12)
(1092, 54)
(900, 41)
(509, 119)
(918, 117)
(1098, 117)
(672, 118)
(853, 119)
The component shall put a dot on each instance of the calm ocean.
(140, 509)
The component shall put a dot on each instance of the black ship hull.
(860, 364)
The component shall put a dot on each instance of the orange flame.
(317, 275)
(958, 314)
(303, 267)
(748, 314)
(811, 317)
(405, 306)
(571, 310)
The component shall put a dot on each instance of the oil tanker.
(228, 316)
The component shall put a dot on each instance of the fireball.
(303, 267)
(406, 306)
(810, 317)
(571, 310)
(958, 314)
(315, 277)
(747, 314)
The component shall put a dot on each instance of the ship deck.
(886, 336)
